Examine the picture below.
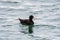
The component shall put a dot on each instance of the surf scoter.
(27, 21)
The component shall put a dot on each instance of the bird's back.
(26, 21)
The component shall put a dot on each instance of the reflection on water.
(26, 28)
(30, 28)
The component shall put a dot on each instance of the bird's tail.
(19, 19)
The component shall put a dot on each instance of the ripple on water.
(44, 10)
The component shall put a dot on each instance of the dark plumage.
(27, 21)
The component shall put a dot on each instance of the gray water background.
(46, 22)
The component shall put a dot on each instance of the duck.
(27, 21)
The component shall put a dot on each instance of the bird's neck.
(30, 19)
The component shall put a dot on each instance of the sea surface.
(46, 19)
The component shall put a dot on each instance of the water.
(47, 19)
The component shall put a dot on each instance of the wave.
(17, 1)
(45, 25)
(9, 2)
